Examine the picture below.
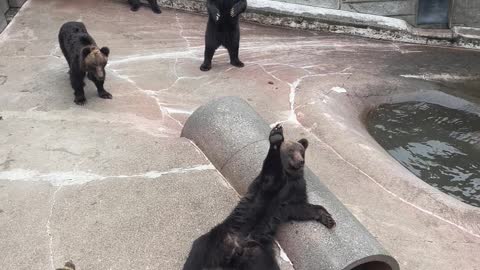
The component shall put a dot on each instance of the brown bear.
(84, 57)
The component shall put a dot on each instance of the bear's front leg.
(238, 8)
(99, 84)
(272, 171)
(76, 79)
(306, 211)
(213, 11)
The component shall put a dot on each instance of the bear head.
(94, 61)
(293, 156)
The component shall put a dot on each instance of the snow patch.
(441, 77)
(338, 89)
(78, 177)
(396, 24)
(283, 255)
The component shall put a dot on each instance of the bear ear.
(304, 142)
(86, 51)
(105, 51)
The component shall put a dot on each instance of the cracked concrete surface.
(111, 184)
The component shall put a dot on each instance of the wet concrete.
(101, 184)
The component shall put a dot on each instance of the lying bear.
(84, 57)
(244, 240)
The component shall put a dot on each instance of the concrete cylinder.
(235, 139)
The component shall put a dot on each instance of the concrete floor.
(111, 184)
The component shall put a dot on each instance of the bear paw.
(105, 95)
(237, 63)
(156, 10)
(134, 8)
(325, 218)
(205, 67)
(276, 135)
(80, 100)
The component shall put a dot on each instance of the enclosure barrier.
(235, 139)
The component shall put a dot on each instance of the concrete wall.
(402, 9)
(466, 13)
(463, 12)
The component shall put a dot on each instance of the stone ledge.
(338, 21)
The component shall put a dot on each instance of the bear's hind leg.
(135, 4)
(207, 61)
(154, 6)
(234, 61)
(233, 45)
(258, 258)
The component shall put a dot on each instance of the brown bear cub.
(84, 57)
(135, 5)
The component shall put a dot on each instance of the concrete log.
(234, 137)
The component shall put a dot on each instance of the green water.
(438, 144)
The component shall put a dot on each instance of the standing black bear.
(135, 5)
(84, 57)
(223, 29)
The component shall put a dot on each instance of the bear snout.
(297, 164)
